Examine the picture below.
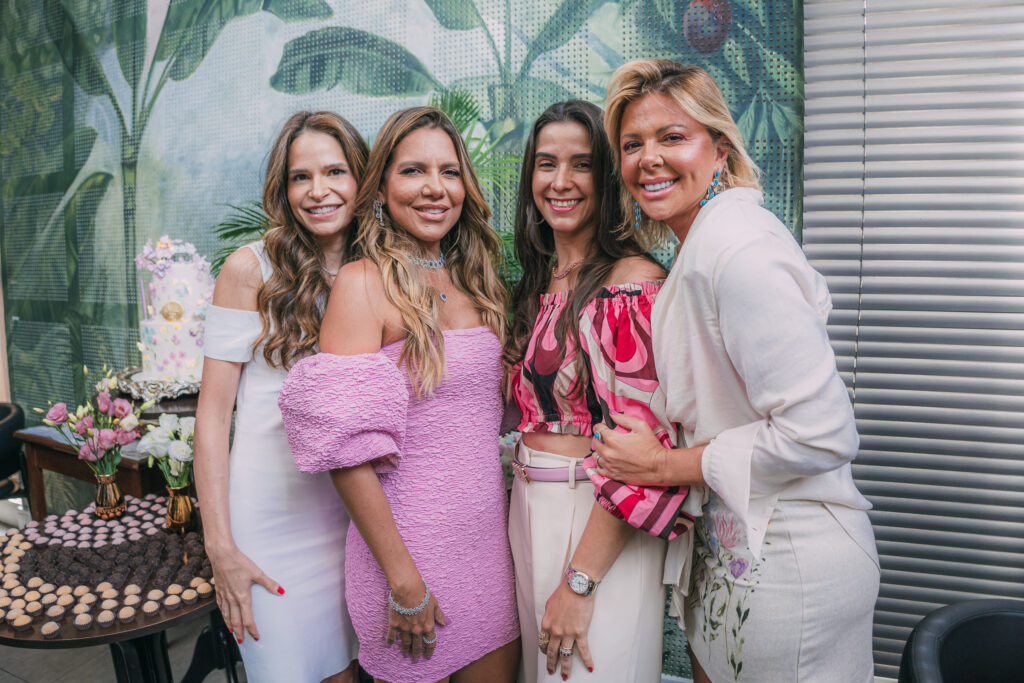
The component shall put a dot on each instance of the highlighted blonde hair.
(470, 249)
(698, 96)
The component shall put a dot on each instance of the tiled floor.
(94, 664)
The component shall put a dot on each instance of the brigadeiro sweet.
(172, 602)
(88, 598)
(108, 605)
(81, 608)
(189, 596)
(34, 582)
(34, 608)
(150, 608)
(50, 630)
(205, 590)
(22, 622)
(55, 612)
(109, 594)
(13, 613)
(48, 599)
(83, 621)
(174, 589)
(126, 615)
(132, 589)
(105, 619)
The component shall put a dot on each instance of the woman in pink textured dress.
(403, 408)
(590, 586)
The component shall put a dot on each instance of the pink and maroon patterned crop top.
(615, 335)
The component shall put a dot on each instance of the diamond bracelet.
(410, 611)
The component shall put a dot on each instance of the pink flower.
(107, 439)
(85, 453)
(84, 424)
(125, 438)
(57, 414)
(120, 407)
(728, 530)
(103, 401)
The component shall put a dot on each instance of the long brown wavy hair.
(291, 302)
(535, 242)
(470, 250)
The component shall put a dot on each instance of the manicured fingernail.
(230, 630)
(280, 591)
(564, 677)
(590, 669)
(239, 641)
(551, 672)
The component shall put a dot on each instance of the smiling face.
(668, 160)
(562, 180)
(423, 189)
(321, 187)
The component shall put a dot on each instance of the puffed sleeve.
(772, 308)
(229, 333)
(615, 334)
(343, 411)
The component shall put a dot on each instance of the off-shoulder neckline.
(445, 333)
(561, 297)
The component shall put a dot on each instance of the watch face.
(579, 583)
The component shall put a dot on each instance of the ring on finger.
(565, 652)
(429, 641)
(597, 460)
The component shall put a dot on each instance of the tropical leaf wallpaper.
(122, 120)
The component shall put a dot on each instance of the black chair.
(975, 641)
(11, 420)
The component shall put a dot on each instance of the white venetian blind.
(914, 210)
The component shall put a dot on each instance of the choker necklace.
(427, 263)
(560, 276)
(332, 273)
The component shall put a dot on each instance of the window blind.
(914, 211)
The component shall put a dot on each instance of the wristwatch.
(579, 582)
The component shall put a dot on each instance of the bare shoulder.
(239, 281)
(636, 269)
(359, 318)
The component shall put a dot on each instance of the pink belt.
(528, 473)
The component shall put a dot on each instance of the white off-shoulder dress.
(292, 525)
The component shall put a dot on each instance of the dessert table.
(77, 581)
(45, 450)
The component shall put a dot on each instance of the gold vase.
(179, 509)
(109, 499)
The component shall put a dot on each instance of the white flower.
(168, 422)
(180, 451)
(129, 422)
(175, 467)
(155, 443)
(187, 426)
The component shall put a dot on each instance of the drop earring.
(378, 211)
(636, 215)
(713, 189)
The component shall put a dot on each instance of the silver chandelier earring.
(378, 211)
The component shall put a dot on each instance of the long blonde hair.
(698, 95)
(470, 249)
(291, 301)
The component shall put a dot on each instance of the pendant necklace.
(435, 264)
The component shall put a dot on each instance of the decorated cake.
(175, 299)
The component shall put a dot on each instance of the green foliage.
(298, 10)
(131, 50)
(244, 224)
(562, 25)
(456, 15)
(358, 61)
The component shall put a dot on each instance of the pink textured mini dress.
(437, 461)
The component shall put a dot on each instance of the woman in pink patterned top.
(579, 354)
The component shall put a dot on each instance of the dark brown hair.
(291, 302)
(535, 241)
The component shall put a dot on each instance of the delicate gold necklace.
(561, 276)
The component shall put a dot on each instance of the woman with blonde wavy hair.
(785, 571)
(413, 450)
(267, 526)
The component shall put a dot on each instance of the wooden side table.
(44, 450)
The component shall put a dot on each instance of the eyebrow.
(549, 155)
(659, 131)
(328, 167)
(420, 164)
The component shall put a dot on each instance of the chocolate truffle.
(174, 589)
(150, 608)
(172, 602)
(83, 621)
(50, 629)
(22, 622)
(126, 615)
(34, 608)
(189, 596)
(155, 594)
(205, 590)
(105, 619)
(108, 605)
(55, 612)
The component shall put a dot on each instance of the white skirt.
(546, 521)
(293, 526)
(801, 612)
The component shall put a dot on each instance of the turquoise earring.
(636, 214)
(713, 189)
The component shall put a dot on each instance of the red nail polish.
(280, 591)
(564, 677)
(590, 669)
(239, 641)
(230, 631)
